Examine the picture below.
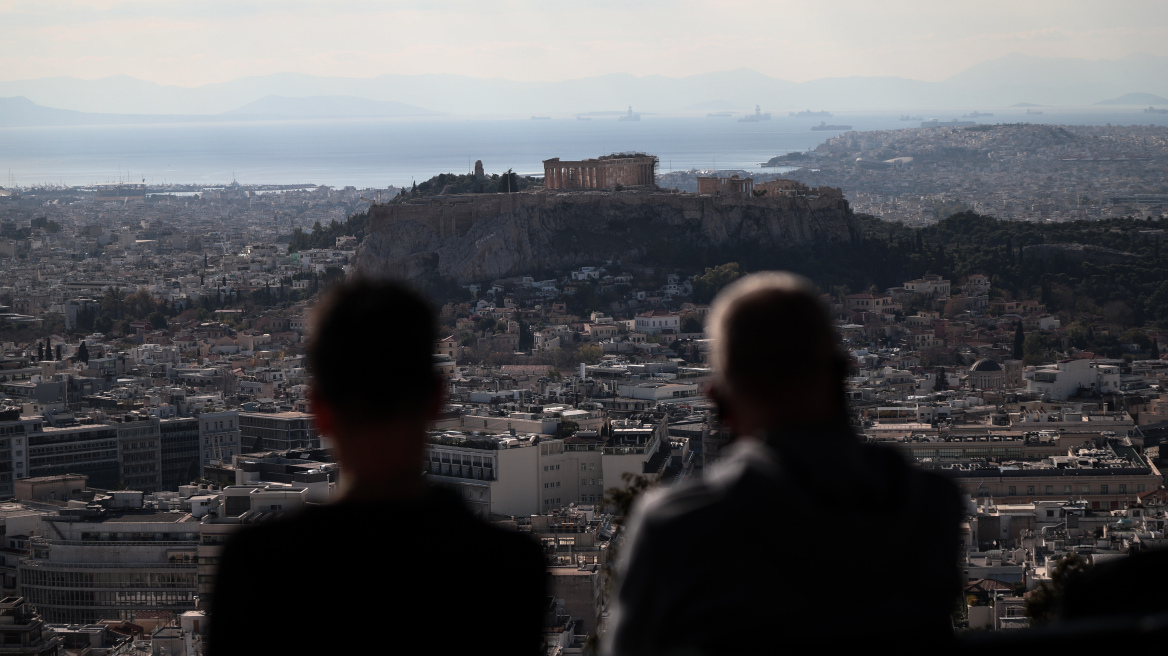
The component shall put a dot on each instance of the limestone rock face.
(476, 238)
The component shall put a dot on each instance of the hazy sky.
(192, 43)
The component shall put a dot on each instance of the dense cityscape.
(155, 390)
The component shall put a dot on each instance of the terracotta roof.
(986, 585)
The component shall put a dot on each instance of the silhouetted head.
(374, 388)
(371, 352)
(776, 356)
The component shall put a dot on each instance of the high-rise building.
(179, 444)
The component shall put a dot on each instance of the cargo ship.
(824, 127)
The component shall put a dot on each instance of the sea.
(382, 152)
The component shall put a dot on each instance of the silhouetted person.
(801, 534)
(395, 564)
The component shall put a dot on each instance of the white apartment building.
(87, 569)
(219, 436)
(1061, 381)
(929, 285)
(530, 475)
(656, 321)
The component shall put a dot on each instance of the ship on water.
(757, 116)
(1033, 112)
(824, 127)
(976, 114)
(630, 116)
(910, 117)
(807, 113)
(1155, 110)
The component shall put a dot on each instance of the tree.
(955, 307)
(1019, 340)
(157, 320)
(83, 353)
(939, 384)
(1154, 352)
(589, 353)
(1033, 350)
(1043, 602)
(60, 351)
(508, 183)
(690, 323)
(40, 351)
(707, 284)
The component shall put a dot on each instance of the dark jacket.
(810, 538)
(423, 574)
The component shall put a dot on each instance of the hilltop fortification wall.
(484, 236)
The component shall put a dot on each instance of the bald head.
(773, 340)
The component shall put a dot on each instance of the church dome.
(985, 365)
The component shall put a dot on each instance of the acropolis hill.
(473, 237)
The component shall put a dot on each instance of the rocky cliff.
(482, 237)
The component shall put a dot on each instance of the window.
(1123, 489)
(1049, 513)
(1050, 489)
(1102, 489)
(1140, 487)
(1029, 489)
(1013, 490)
(557, 468)
(583, 467)
(1086, 489)
(1067, 489)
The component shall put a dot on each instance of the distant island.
(1135, 99)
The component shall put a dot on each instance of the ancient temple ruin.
(624, 169)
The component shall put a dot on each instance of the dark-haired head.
(371, 352)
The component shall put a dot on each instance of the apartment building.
(109, 564)
(88, 449)
(277, 431)
(220, 436)
(140, 453)
(529, 475)
(179, 445)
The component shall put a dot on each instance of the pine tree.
(1019, 340)
(83, 353)
(60, 352)
(40, 351)
(1155, 350)
(939, 384)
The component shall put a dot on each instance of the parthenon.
(625, 169)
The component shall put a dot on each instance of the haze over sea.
(377, 152)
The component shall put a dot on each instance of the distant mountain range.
(327, 106)
(1000, 82)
